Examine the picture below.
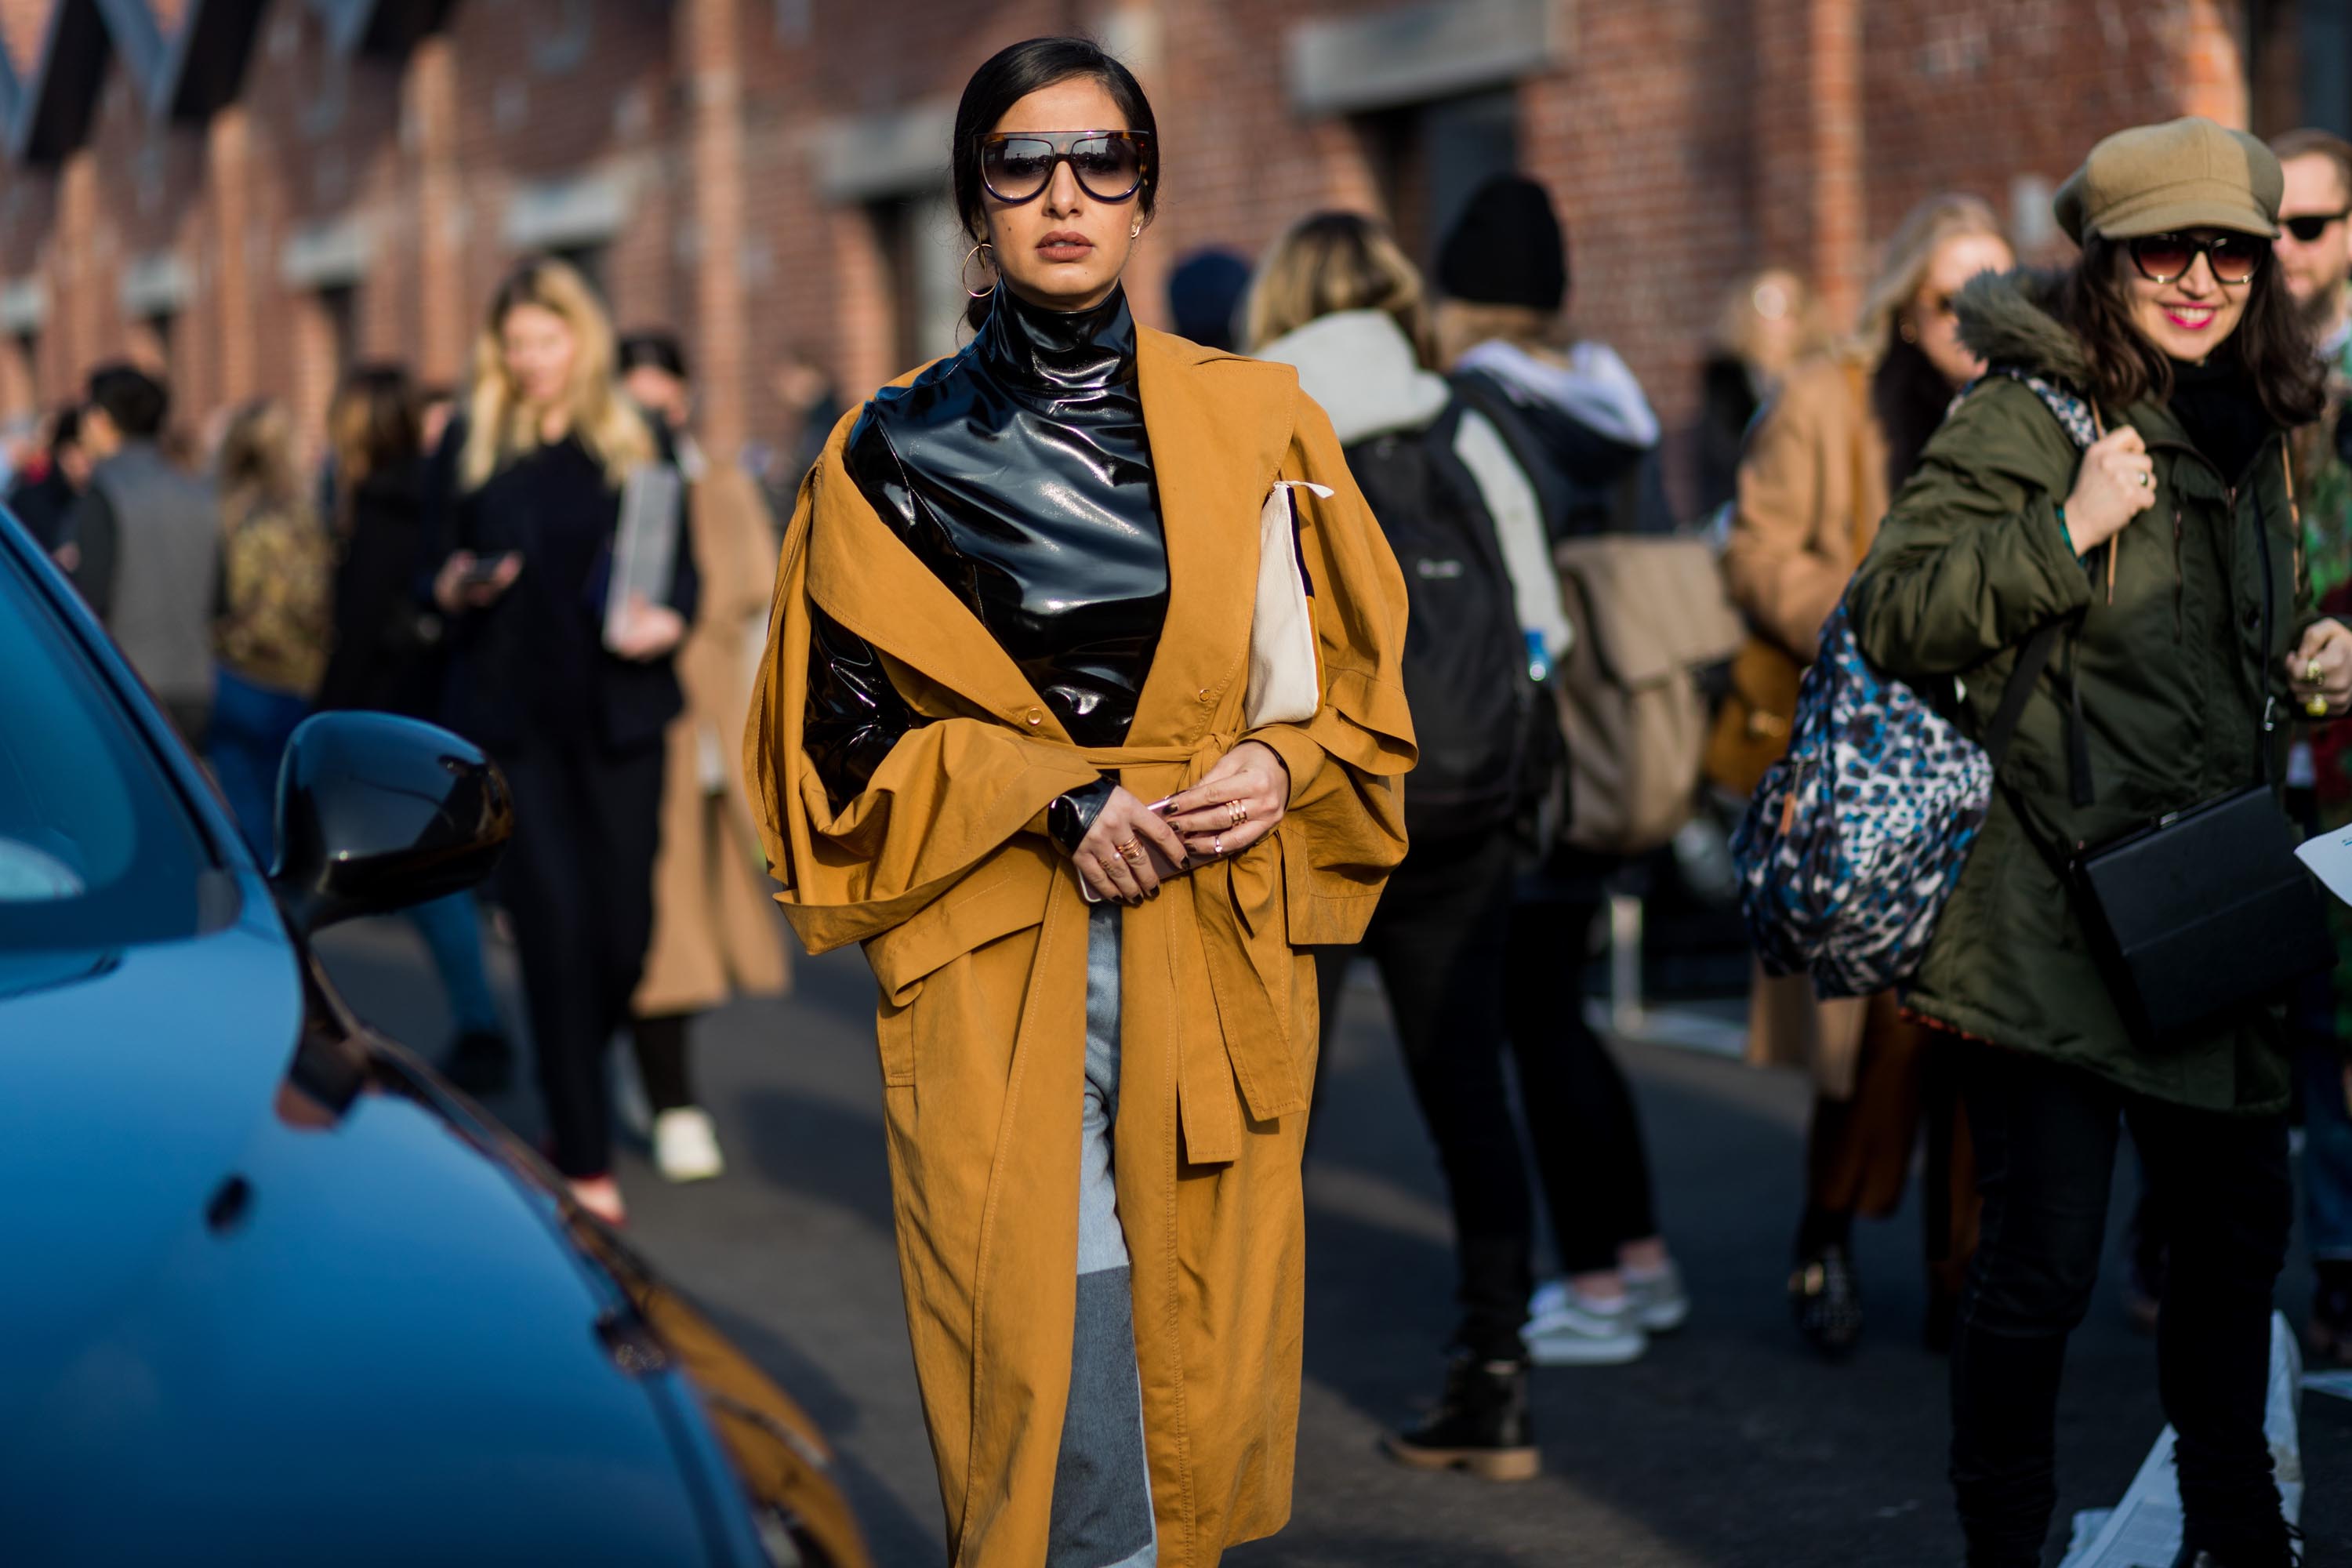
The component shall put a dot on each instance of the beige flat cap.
(2188, 173)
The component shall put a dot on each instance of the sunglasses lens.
(2235, 257)
(1109, 167)
(1017, 167)
(2308, 228)
(2162, 256)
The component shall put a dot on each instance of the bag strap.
(2031, 663)
(2079, 417)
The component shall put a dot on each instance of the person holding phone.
(2166, 548)
(524, 497)
(1014, 617)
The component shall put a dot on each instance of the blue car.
(270, 1292)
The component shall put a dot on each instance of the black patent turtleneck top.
(1019, 472)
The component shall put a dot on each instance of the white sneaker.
(1660, 1302)
(1567, 1328)
(685, 1145)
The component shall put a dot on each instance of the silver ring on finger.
(2147, 481)
(1216, 844)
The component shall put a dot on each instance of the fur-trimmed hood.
(2006, 318)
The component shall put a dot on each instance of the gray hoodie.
(1360, 367)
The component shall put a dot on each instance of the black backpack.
(1476, 713)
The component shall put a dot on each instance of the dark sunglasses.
(2308, 227)
(1110, 165)
(2166, 258)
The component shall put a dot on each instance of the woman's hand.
(2321, 667)
(2116, 483)
(1128, 852)
(461, 584)
(646, 630)
(1236, 803)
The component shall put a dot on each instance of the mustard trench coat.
(976, 931)
(715, 932)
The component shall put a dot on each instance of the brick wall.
(1686, 141)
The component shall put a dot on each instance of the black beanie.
(1506, 248)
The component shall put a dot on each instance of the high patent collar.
(1058, 352)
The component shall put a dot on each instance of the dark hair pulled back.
(1012, 74)
(2094, 299)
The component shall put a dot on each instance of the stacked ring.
(1236, 813)
(1130, 851)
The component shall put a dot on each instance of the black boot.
(481, 1063)
(1480, 1425)
(2272, 1546)
(1827, 1300)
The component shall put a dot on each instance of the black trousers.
(1580, 1115)
(1439, 941)
(2045, 1139)
(578, 879)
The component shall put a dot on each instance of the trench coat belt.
(1230, 964)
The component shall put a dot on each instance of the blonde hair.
(1770, 293)
(1464, 324)
(258, 470)
(499, 426)
(1903, 267)
(1331, 262)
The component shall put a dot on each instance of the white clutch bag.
(1286, 672)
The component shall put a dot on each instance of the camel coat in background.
(976, 931)
(714, 929)
(1812, 489)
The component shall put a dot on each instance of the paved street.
(1728, 1447)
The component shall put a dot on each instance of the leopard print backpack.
(1855, 838)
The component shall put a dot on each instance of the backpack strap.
(2079, 417)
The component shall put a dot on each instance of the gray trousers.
(1102, 1486)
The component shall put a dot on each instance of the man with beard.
(2313, 251)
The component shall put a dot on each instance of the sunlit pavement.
(1727, 1447)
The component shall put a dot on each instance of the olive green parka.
(1972, 560)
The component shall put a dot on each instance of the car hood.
(286, 1333)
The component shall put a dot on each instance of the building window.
(339, 311)
(1428, 158)
(150, 343)
(922, 250)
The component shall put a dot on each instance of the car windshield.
(97, 848)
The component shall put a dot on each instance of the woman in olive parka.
(2173, 326)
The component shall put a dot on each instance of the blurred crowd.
(451, 554)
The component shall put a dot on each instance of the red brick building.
(254, 194)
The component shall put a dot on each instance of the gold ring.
(1236, 813)
(1129, 851)
(2312, 673)
(2316, 705)
(1107, 863)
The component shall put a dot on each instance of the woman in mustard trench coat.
(1015, 613)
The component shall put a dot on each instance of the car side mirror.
(377, 813)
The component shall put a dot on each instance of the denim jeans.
(2046, 1136)
(244, 744)
(452, 930)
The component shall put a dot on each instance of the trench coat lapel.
(863, 575)
(1214, 460)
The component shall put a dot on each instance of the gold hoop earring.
(967, 289)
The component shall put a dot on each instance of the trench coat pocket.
(962, 921)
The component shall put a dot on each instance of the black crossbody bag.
(2207, 911)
